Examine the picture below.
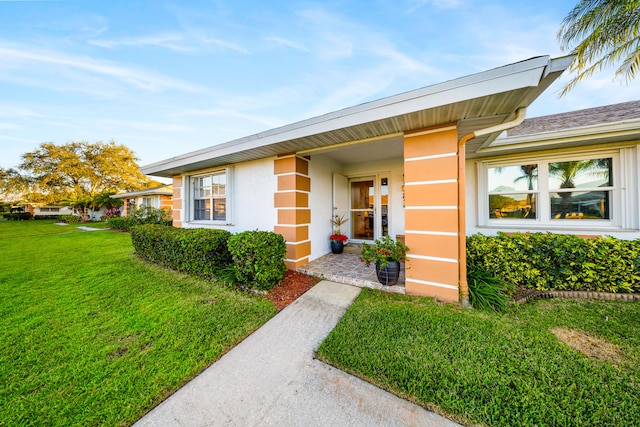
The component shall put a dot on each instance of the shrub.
(258, 257)
(199, 250)
(140, 216)
(557, 261)
(18, 216)
(122, 223)
(71, 218)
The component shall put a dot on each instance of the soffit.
(477, 101)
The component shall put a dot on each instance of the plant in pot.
(386, 254)
(338, 239)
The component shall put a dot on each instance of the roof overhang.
(607, 133)
(477, 101)
(163, 190)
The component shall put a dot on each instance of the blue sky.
(165, 78)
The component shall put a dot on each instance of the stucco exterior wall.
(250, 196)
(321, 170)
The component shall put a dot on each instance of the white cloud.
(288, 43)
(168, 41)
(47, 69)
(225, 44)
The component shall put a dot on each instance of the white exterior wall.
(250, 197)
(62, 210)
(321, 170)
(628, 178)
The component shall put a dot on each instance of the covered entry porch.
(347, 268)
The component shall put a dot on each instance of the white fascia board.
(584, 133)
(510, 77)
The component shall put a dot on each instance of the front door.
(369, 207)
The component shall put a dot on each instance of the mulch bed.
(290, 288)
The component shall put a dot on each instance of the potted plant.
(386, 254)
(338, 239)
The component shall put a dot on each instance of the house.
(40, 209)
(157, 197)
(395, 166)
(575, 172)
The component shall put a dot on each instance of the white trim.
(292, 173)
(432, 233)
(439, 285)
(297, 243)
(292, 191)
(297, 260)
(430, 131)
(431, 208)
(438, 181)
(433, 156)
(433, 258)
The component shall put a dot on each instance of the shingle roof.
(575, 119)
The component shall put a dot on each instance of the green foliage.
(197, 250)
(494, 369)
(601, 34)
(557, 261)
(80, 173)
(71, 218)
(93, 336)
(121, 223)
(487, 291)
(384, 250)
(258, 257)
(18, 216)
(140, 216)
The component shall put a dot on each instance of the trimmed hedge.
(122, 223)
(197, 250)
(546, 261)
(18, 216)
(258, 257)
(126, 224)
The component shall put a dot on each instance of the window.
(570, 190)
(210, 197)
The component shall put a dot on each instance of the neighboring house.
(393, 166)
(576, 172)
(42, 210)
(156, 197)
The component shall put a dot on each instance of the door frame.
(377, 202)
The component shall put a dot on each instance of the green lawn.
(495, 369)
(92, 335)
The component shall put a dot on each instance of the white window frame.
(619, 213)
(190, 202)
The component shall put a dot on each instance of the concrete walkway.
(271, 378)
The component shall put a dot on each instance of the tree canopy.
(76, 173)
(601, 33)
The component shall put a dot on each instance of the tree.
(600, 33)
(76, 173)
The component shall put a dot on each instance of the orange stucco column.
(291, 201)
(431, 212)
(176, 201)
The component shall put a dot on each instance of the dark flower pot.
(388, 275)
(337, 247)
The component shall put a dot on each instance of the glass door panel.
(362, 209)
